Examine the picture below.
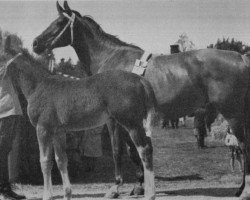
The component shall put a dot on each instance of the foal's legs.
(118, 135)
(59, 142)
(134, 156)
(145, 149)
(115, 134)
(45, 147)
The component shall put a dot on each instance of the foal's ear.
(7, 45)
(66, 7)
(59, 8)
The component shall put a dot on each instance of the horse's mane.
(96, 30)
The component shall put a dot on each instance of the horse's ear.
(7, 45)
(59, 8)
(66, 7)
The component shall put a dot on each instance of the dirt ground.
(181, 172)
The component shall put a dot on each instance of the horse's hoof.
(138, 190)
(150, 198)
(68, 194)
(112, 195)
(238, 193)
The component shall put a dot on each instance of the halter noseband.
(71, 24)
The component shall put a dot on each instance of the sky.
(150, 24)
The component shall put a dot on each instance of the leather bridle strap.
(71, 24)
(4, 68)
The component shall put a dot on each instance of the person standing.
(200, 130)
(10, 115)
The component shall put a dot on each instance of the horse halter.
(71, 24)
(3, 70)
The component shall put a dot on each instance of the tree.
(231, 45)
(185, 43)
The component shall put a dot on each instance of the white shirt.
(9, 102)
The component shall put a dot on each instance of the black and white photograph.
(125, 99)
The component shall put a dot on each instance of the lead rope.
(51, 62)
(3, 70)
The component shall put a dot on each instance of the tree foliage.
(185, 43)
(231, 45)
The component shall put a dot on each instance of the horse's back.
(91, 101)
(188, 80)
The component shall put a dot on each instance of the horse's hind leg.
(134, 156)
(45, 148)
(115, 133)
(145, 149)
(59, 142)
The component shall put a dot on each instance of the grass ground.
(182, 171)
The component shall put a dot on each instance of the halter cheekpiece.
(71, 24)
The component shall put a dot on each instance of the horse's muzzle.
(38, 47)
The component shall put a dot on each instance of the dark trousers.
(8, 129)
(201, 134)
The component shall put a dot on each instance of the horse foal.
(57, 105)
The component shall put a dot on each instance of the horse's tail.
(151, 104)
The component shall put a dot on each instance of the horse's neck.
(82, 52)
(28, 83)
(96, 54)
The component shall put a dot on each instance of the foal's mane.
(95, 30)
(37, 67)
(40, 70)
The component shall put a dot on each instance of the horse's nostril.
(35, 44)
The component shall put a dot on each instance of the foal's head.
(60, 32)
(25, 64)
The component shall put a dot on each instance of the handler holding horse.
(10, 114)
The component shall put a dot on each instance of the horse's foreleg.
(114, 132)
(59, 142)
(144, 147)
(45, 148)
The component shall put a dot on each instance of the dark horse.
(57, 104)
(182, 82)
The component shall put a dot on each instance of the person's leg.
(232, 160)
(7, 135)
(13, 157)
(177, 123)
(203, 133)
(202, 141)
(239, 159)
